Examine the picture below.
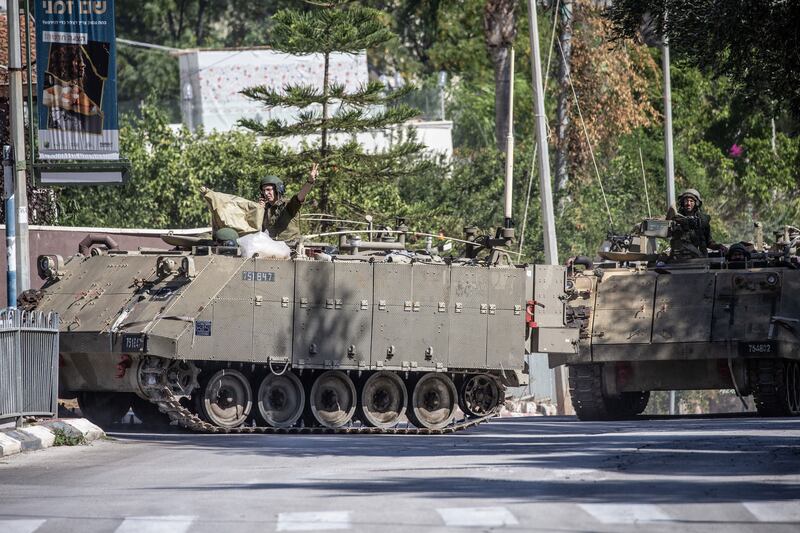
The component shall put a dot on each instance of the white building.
(211, 81)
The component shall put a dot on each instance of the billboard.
(76, 69)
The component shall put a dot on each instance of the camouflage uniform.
(281, 219)
(691, 234)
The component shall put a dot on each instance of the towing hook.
(530, 313)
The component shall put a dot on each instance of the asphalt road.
(519, 474)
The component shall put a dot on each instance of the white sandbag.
(262, 244)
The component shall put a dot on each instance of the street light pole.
(17, 132)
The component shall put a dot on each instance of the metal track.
(169, 404)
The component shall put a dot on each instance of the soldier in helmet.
(739, 253)
(691, 233)
(226, 236)
(280, 216)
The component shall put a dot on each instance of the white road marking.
(20, 526)
(315, 521)
(786, 511)
(624, 513)
(155, 524)
(477, 517)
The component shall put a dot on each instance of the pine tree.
(336, 26)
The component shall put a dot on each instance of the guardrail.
(28, 364)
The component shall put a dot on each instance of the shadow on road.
(660, 461)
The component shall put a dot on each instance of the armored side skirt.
(309, 314)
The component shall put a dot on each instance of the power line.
(139, 44)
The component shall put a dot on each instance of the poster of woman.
(77, 108)
(72, 91)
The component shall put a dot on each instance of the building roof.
(4, 51)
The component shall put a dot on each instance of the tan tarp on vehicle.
(229, 211)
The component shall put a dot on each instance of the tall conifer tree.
(336, 26)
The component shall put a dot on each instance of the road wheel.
(333, 399)
(433, 402)
(226, 399)
(383, 400)
(776, 386)
(480, 395)
(589, 401)
(281, 399)
(105, 408)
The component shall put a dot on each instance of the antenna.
(508, 223)
(644, 180)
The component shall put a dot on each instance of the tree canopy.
(724, 146)
(330, 109)
(754, 43)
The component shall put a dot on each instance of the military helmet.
(226, 235)
(276, 182)
(739, 248)
(693, 193)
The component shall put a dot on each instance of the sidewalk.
(47, 433)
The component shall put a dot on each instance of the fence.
(28, 363)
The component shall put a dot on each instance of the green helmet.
(275, 181)
(226, 234)
(693, 193)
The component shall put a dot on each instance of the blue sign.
(76, 79)
(202, 328)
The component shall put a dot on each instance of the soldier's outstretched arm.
(306, 188)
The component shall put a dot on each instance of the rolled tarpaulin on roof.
(229, 211)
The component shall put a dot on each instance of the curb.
(43, 435)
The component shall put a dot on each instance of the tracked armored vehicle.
(357, 341)
(634, 323)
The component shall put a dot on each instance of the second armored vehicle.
(633, 324)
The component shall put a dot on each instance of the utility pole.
(17, 132)
(545, 187)
(669, 162)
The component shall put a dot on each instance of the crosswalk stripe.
(624, 513)
(20, 526)
(155, 524)
(314, 521)
(786, 511)
(477, 517)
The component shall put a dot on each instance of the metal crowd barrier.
(28, 364)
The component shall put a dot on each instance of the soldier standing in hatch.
(691, 234)
(280, 216)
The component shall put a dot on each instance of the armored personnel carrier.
(358, 340)
(634, 323)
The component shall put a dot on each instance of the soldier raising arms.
(280, 216)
